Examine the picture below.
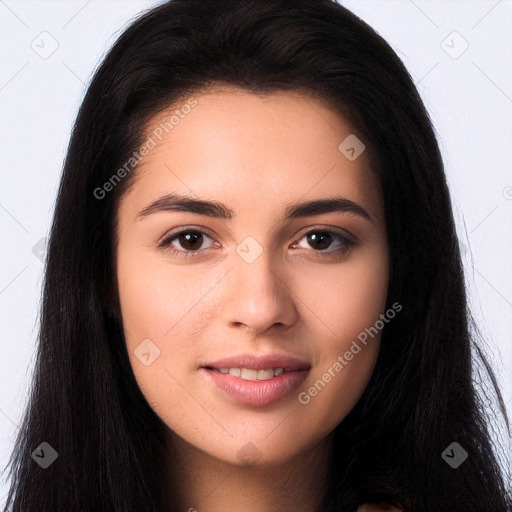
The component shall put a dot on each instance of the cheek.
(146, 302)
(349, 304)
(349, 298)
(155, 302)
(362, 295)
(162, 311)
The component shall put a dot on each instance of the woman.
(254, 296)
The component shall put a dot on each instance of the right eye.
(189, 239)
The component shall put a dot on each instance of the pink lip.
(257, 392)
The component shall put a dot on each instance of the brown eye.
(320, 240)
(190, 240)
(186, 242)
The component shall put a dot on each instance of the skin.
(257, 155)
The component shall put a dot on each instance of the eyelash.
(347, 243)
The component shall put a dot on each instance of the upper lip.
(255, 362)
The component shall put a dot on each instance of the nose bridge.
(257, 295)
(256, 276)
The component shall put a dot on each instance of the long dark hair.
(85, 402)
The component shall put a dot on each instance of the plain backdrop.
(459, 53)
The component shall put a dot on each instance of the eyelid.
(183, 229)
(325, 227)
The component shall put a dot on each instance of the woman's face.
(249, 278)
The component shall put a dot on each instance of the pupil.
(190, 239)
(320, 237)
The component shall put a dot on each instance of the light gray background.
(468, 92)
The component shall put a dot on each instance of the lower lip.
(257, 392)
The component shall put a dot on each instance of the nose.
(258, 296)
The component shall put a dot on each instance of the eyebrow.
(215, 209)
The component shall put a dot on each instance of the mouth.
(257, 381)
(251, 373)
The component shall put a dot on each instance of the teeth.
(265, 374)
(246, 374)
(235, 372)
(251, 374)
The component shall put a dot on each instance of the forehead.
(250, 150)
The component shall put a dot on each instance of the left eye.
(323, 240)
(191, 240)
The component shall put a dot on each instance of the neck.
(199, 482)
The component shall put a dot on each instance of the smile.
(252, 374)
(244, 386)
